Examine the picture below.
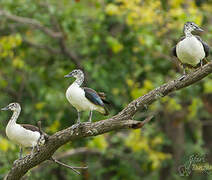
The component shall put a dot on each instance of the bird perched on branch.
(191, 51)
(83, 98)
(25, 135)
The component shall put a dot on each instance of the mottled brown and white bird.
(191, 50)
(83, 98)
(25, 135)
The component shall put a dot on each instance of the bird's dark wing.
(205, 46)
(174, 51)
(102, 95)
(30, 127)
(93, 96)
(174, 48)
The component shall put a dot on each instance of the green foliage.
(143, 144)
(99, 142)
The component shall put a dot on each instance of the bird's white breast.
(22, 136)
(190, 51)
(76, 96)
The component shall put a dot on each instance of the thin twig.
(207, 123)
(59, 35)
(31, 22)
(77, 151)
(71, 152)
(65, 165)
(41, 46)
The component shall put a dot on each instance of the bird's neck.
(14, 117)
(188, 34)
(79, 80)
(74, 85)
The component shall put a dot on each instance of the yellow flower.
(112, 9)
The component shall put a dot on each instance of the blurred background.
(124, 49)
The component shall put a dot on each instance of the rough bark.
(120, 121)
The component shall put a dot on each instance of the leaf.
(98, 142)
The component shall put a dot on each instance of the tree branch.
(67, 166)
(73, 152)
(31, 22)
(120, 121)
(63, 49)
(68, 53)
(58, 34)
(66, 154)
(41, 46)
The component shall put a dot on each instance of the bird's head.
(77, 73)
(12, 107)
(190, 27)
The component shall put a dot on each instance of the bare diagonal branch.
(31, 22)
(58, 34)
(120, 121)
(41, 46)
(69, 153)
(174, 85)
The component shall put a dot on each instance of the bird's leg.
(201, 63)
(37, 147)
(90, 116)
(78, 120)
(33, 147)
(20, 153)
(184, 70)
(184, 73)
(20, 156)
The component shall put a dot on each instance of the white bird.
(24, 135)
(83, 98)
(191, 50)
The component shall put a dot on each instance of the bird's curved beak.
(68, 75)
(5, 108)
(199, 29)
